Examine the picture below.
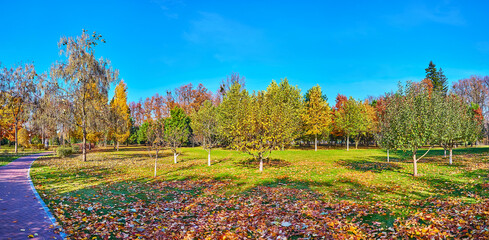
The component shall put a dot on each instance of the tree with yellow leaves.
(121, 117)
(317, 114)
(23, 137)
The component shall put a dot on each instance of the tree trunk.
(209, 158)
(16, 141)
(117, 145)
(89, 145)
(444, 152)
(316, 142)
(388, 160)
(261, 164)
(156, 159)
(415, 166)
(347, 142)
(450, 156)
(356, 143)
(175, 157)
(84, 146)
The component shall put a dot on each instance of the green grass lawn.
(381, 197)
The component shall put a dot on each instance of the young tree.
(414, 117)
(122, 121)
(248, 121)
(155, 138)
(352, 119)
(317, 114)
(23, 137)
(86, 79)
(176, 130)
(205, 127)
(385, 136)
(458, 124)
(19, 87)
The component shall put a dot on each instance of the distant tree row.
(71, 103)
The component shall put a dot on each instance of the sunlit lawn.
(358, 176)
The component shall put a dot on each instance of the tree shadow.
(254, 163)
(364, 165)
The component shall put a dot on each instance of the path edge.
(39, 199)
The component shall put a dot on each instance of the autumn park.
(82, 158)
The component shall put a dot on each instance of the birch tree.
(86, 79)
(19, 86)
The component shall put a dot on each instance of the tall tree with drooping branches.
(86, 79)
(19, 93)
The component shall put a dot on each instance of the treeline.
(71, 104)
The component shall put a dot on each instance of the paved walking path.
(22, 213)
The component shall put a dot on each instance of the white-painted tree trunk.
(388, 160)
(450, 156)
(415, 166)
(316, 143)
(445, 152)
(347, 142)
(261, 165)
(209, 158)
(156, 159)
(175, 155)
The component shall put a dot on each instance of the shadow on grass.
(364, 165)
(254, 163)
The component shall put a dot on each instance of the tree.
(23, 137)
(19, 86)
(225, 85)
(443, 82)
(205, 127)
(248, 121)
(413, 120)
(122, 121)
(438, 79)
(142, 133)
(352, 119)
(385, 136)
(176, 130)
(155, 138)
(473, 90)
(86, 79)
(317, 114)
(458, 124)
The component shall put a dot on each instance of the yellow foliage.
(23, 137)
(120, 109)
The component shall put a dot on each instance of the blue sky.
(356, 48)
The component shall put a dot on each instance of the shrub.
(64, 151)
(39, 146)
(75, 148)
